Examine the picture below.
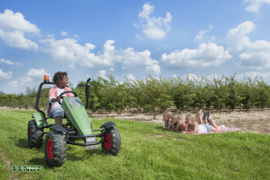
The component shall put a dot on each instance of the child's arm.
(166, 124)
(181, 123)
(177, 127)
(200, 120)
(173, 126)
(52, 97)
(194, 131)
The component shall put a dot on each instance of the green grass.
(148, 152)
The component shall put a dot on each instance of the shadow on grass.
(89, 153)
(39, 161)
(70, 157)
(21, 143)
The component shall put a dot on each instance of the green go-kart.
(78, 126)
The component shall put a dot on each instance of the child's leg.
(58, 114)
(58, 120)
(214, 129)
(213, 123)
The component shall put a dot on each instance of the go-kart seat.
(48, 110)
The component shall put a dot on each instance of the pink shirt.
(54, 91)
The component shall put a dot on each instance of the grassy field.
(148, 152)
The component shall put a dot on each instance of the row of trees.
(155, 95)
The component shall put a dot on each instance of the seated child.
(166, 119)
(177, 123)
(193, 127)
(204, 120)
(61, 81)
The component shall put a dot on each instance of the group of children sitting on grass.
(191, 125)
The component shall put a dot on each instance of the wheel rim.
(49, 149)
(107, 142)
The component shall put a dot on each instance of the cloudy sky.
(132, 38)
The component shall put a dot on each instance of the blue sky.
(132, 38)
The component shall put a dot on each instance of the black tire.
(35, 135)
(55, 149)
(112, 141)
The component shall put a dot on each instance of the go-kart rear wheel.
(112, 141)
(35, 135)
(55, 149)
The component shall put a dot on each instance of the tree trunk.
(154, 115)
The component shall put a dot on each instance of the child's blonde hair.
(167, 113)
(177, 121)
(191, 117)
(176, 117)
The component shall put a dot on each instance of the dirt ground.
(254, 120)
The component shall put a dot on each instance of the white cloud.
(25, 79)
(63, 33)
(154, 28)
(50, 35)
(6, 61)
(10, 21)
(130, 76)
(102, 74)
(69, 51)
(237, 36)
(202, 37)
(138, 36)
(153, 69)
(13, 83)
(190, 76)
(72, 66)
(174, 76)
(12, 29)
(255, 5)
(9, 62)
(111, 69)
(253, 74)
(37, 72)
(17, 39)
(76, 35)
(206, 55)
(256, 54)
(5, 75)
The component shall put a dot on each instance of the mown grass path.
(148, 152)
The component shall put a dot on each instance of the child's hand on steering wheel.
(58, 98)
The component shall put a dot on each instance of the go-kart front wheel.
(55, 149)
(35, 135)
(112, 141)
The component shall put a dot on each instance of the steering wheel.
(61, 95)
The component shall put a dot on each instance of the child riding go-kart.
(77, 127)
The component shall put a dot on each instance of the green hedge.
(155, 95)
